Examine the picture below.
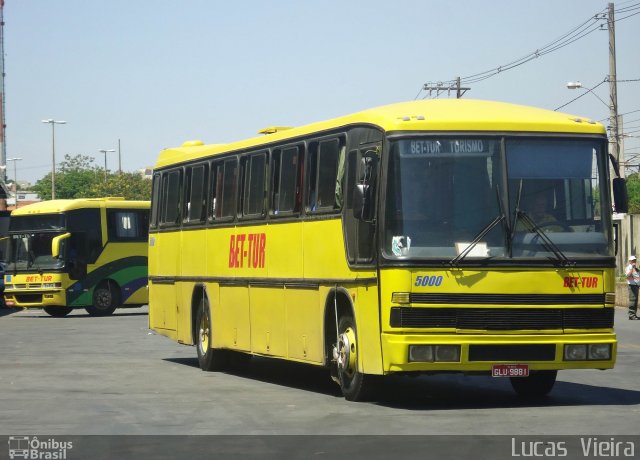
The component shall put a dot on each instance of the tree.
(130, 186)
(633, 192)
(78, 177)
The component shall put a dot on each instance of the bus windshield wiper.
(456, 260)
(546, 241)
(501, 218)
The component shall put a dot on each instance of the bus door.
(359, 219)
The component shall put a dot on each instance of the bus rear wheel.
(355, 385)
(209, 359)
(105, 300)
(57, 312)
(536, 385)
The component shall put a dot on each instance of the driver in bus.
(542, 218)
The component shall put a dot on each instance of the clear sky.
(154, 73)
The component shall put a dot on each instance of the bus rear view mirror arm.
(56, 242)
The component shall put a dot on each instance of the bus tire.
(355, 385)
(536, 385)
(209, 359)
(105, 300)
(57, 312)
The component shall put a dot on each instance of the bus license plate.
(510, 370)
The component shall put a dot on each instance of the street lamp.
(578, 85)
(105, 151)
(53, 124)
(15, 176)
(613, 117)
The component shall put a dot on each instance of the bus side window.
(77, 264)
(195, 198)
(155, 201)
(126, 225)
(229, 189)
(324, 158)
(171, 198)
(285, 181)
(222, 190)
(254, 174)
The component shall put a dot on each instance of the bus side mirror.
(620, 198)
(57, 243)
(363, 203)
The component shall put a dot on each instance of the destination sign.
(431, 147)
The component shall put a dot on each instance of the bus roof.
(443, 115)
(57, 206)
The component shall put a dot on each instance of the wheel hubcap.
(347, 352)
(204, 334)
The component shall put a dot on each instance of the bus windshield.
(496, 197)
(32, 251)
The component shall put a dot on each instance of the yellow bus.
(81, 253)
(398, 240)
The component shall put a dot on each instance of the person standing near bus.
(633, 280)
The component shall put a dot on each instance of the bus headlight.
(434, 353)
(600, 351)
(575, 352)
(585, 352)
(448, 353)
(421, 353)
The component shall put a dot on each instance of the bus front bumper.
(471, 353)
(35, 299)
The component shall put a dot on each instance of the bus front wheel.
(105, 300)
(57, 312)
(536, 385)
(355, 385)
(209, 359)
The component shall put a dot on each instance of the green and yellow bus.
(398, 240)
(81, 253)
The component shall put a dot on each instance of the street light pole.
(53, 124)
(613, 87)
(105, 151)
(15, 177)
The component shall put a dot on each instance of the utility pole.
(613, 87)
(119, 159)
(440, 87)
(3, 145)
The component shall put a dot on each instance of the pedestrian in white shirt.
(633, 280)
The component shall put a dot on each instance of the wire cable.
(587, 91)
(579, 32)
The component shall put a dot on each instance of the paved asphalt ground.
(82, 375)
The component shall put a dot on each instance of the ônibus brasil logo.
(30, 447)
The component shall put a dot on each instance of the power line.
(577, 33)
(585, 28)
(622, 114)
(626, 9)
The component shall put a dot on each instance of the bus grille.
(502, 319)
